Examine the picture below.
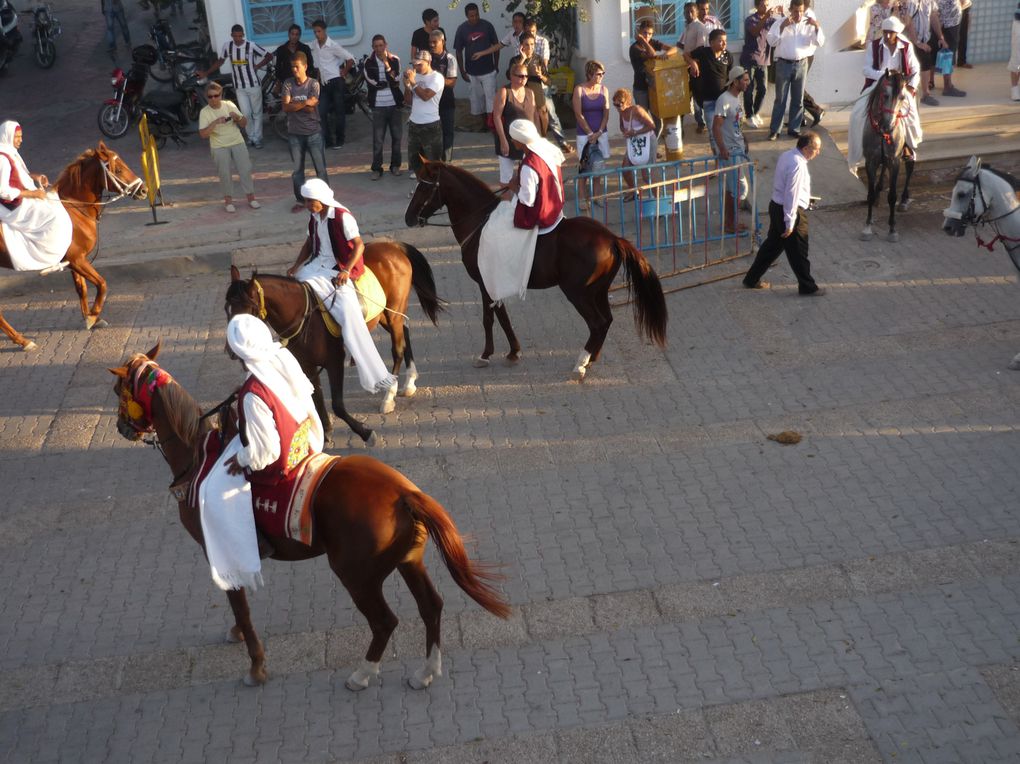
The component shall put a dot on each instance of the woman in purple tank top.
(591, 110)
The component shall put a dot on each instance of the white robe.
(38, 232)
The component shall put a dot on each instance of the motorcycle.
(45, 30)
(10, 35)
(169, 54)
(166, 111)
(356, 89)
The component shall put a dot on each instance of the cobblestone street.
(683, 588)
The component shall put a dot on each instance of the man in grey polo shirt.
(301, 104)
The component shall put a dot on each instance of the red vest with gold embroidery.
(341, 247)
(15, 182)
(294, 445)
(548, 201)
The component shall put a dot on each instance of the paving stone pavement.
(683, 588)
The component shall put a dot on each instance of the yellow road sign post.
(150, 168)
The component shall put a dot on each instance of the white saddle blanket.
(859, 123)
(506, 254)
(37, 232)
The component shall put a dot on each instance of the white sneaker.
(756, 121)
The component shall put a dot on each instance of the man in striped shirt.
(246, 58)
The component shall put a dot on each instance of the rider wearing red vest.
(539, 184)
(293, 436)
(894, 52)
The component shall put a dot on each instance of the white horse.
(983, 196)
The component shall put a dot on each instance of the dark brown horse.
(369, 520)
(81, 187)
(885, 147)
(581, 257)
(289, 309)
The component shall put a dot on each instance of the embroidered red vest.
(876, 57)
(548, 201)
(15, 182)
(294, 445)
(342, 248)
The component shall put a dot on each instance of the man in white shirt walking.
(795, 39)
(788, 223)
(333, 62)
(246, 58)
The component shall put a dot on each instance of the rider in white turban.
(539, 189)
(277, 427)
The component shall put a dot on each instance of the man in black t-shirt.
(644, 48)
(286, 51)
(420, 38)
(710, 67)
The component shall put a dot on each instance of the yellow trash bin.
(669, 94)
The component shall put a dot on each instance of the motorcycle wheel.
(191, 107)
(280, 125)
(113, 121)
(45, 53)
(161, 71)
(160, 141)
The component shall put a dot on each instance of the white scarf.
(272, 364)
(7, 130)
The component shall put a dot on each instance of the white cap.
(318, 190)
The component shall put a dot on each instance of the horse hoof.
(867, 235)
(235, 635)
(255, 679)
(1014, 365)
(512, 360)
(101, 323)
(893, 237)
(904, 205)
(372, 440)
(361, 676)
(409, 390)
(354, 686)
(579, 373)
(416, 683)
(481, 363)
(28, 346)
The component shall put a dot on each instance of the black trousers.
(795, 246)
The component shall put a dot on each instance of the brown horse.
(289, 309)
(581, 257)
(81, 187)
(368, 520)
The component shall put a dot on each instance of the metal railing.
(674, 211)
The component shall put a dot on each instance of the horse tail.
(472, 577)
(650, 313)
(423, 282)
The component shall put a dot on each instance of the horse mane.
(895, 80)
(183, 413)
(72, 176)
(481, 188)
(1011, 179)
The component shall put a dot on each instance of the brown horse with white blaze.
(581, 257)
(81, 187)
(369, 519)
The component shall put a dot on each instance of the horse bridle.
(969, 216)
(424, 221)
(886, 136)
(130, 411)
(119, 186)
(259, 305)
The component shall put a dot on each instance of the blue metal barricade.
(674, 211)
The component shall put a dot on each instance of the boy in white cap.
(330, 261)
(277, 429)
(729, 143)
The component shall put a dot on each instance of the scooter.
(169, 54)
(45, 30)
(166, 111)
(10, 35)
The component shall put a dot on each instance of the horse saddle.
(370, 295)
(283, 510)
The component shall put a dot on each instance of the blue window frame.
(669, 16)
(267, 20)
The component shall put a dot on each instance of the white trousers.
(342, 303)
(228, 526)
(249, 101)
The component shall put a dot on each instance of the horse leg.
(487, 318)
(905, 199)
(84, 268)
(335, 372)
(430, 607)
(243, 629)
(82, 288)
(868, 233)
(410, 380)
(894, 171)
(320, 405)
(515, 346)
(593, 305)
(16, 337)
(368, 598)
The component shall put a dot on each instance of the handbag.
(591, 158)
(944, 61)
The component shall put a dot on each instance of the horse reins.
(424, 221)
(976, 220)
(899, 115)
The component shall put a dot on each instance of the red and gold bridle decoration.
(136, 393)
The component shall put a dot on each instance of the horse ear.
(235, 275)
(120, 371)
(151, 355)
